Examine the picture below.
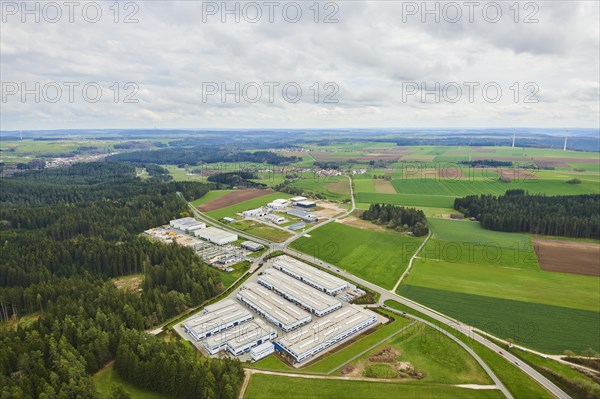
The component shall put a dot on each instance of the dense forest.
(397, 218)
(65, 234)
(200, 154)
(565, 215)
(236, 179)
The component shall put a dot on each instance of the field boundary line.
(410, 262)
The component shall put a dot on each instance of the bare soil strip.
(568, 256)
(232, 198)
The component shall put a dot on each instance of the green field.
(228, 278)
(245, 205)
(106, 378)
(439, 358)
(433, 201)
(262, 230)
(377, 256)
(211, 195)
(274, 386)
(335, 188)
(492, 280)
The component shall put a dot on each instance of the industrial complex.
(289, 307)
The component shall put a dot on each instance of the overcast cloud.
(366, 66)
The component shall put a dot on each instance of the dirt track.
(232, 198)
(568, 256)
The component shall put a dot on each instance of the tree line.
(564, 215)
(397, 218)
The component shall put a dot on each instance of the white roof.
(299, 198)
(271, 303)
(280, 201)
(310, 273)
(215, 233)
(219, 314)
(305, 294)
(326, 328)
(241, 335)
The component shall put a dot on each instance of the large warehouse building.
(240, 339)
(216, 236)
(187, 224)
(325, 333)
(310, 275)
(299, 293)
(216, 318)
(269, 305)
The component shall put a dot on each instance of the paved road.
(470, 331)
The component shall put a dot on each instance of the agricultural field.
(568, 256)
(229, 198)
(493, 281)
(231, 210)
(377, 256)
(334, 188)
(275, 386)
(210, 196)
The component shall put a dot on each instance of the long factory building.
(310, 275)
(240, 339)
(216, 318)
(269, 305)
(299, 293)
(325, 332)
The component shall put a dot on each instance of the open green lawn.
(262, 230)
(435, 355)
(211, 195)
(377, 256)
(245, 205)
(106, 378)
(273, 386)
(229, 278)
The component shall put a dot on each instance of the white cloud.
(369, 54)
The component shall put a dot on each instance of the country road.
(469, 331)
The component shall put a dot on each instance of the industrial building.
(278, 204)
(306, 204)
(262, 350)
(297, 226)
(216, 236)
(216, 318)
(187, 224)
(258, 212)
(299, 293)
(227, 219)
(277, 219)
(269, 305)
(252, 246)
(241, 339)
(310, 275)
(305, 216)
(326, 332)
(297, 199)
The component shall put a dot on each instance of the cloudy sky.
(190, 64)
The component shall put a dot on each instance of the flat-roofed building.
(297, 199)
(227, 219)
(305, 216)
(241, 339)
(277, 219)
(256, 212)
(252, 246)
(326, 332)
(216, 318)
(299, 293)
(216, 236)
(278, 204)
(306, 204)
(273, 308)
(262, 350)
(310, 275)
(187, 224)
(297, 226)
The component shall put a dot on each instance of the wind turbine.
(566, 137)
(514, 136)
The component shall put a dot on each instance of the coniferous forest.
(567, 215)
(65, 233)
(398, 218)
